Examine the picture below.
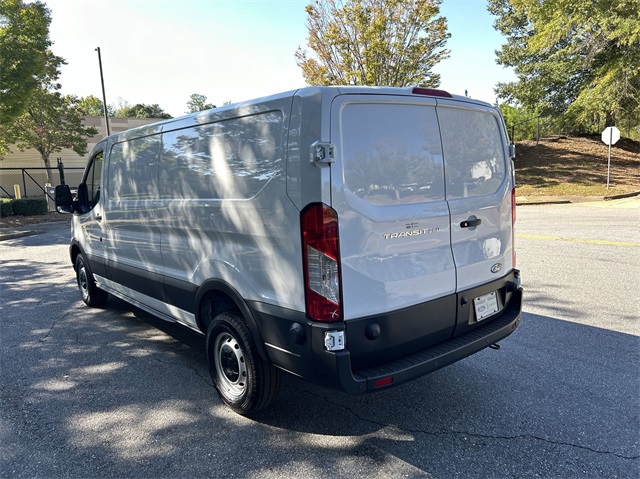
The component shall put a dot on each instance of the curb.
(532, 200)
(16, 234)
(22, 231)
(624, 195)
(543, 202)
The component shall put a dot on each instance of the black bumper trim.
(433, 358)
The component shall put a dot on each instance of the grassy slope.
(560, 166)
(576, 166)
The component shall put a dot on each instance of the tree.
(24, 54)
(52, 122)
(34, 114)
(93, 106)
(573, 58)
(374, 42)
(197, 103)
(142, 110)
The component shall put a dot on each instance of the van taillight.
(430, 92)
(321, 262)
(513, 227)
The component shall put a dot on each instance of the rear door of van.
(422, 187)
(388, 188)
(480, 195)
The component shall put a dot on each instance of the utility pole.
(104, 97)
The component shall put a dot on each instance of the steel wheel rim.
(231, 369)
(83, 282)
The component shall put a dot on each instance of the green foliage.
(374, 42)
(4, 142)
(526, 124)
(6, 207)
(575, 58)
(142, 110)
(52, 122)
(24, 54)
(92, 106)
(521, 122)
(197, 103)
(30, 206)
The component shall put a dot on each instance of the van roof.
(154, 128)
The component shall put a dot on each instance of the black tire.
(91, 294)
(244, 381)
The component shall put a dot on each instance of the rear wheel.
(91, 294)
(243, 380)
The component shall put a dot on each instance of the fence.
(32, 181)
(536, 127)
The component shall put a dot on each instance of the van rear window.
(392, 153)
(473, 153)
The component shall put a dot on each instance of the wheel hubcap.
(229, 362)
(231, 370)
(83, 282)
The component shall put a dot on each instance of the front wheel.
(91, 294)
(243, 380)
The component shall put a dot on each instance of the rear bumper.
(304, 354)
(432, 358)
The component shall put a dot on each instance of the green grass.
(568, 189)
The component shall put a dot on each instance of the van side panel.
(306, 182)
(224, 211)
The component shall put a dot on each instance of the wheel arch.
(216, 296)
(74, 251)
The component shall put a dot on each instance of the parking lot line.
(579, 240)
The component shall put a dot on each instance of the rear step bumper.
(430, 359)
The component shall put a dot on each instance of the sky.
(162, 51)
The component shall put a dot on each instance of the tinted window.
(392, 153)
(473, 153)
(134, 169)
(93, 181)
(230, 159)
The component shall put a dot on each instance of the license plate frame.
(486, 305)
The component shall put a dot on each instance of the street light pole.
(104, 97)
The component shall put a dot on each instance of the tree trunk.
(49, 170)
(610, 120)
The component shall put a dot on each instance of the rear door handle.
(471, 222)
(98, 217)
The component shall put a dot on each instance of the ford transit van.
(357, 237)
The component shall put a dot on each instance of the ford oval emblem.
(496, 268)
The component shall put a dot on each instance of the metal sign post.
(610, 136)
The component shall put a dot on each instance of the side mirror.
(64, 199)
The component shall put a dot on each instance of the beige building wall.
(31, 158)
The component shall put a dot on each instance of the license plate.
(486, 305)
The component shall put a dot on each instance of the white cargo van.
(356, 237)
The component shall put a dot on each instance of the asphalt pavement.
(117, 393)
